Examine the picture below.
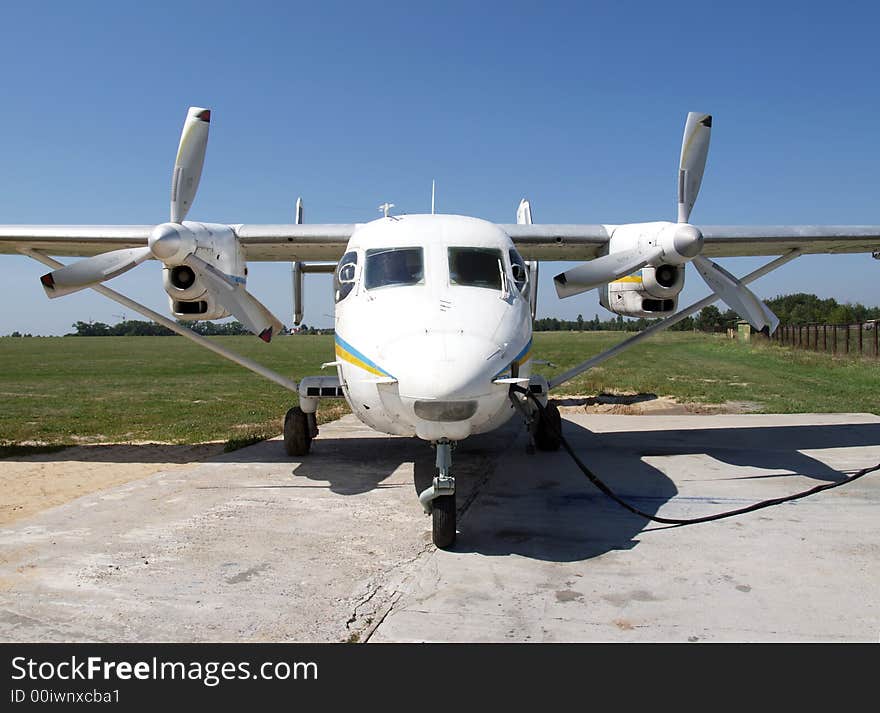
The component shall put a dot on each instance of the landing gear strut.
(439, 499)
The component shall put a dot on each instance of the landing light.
(445, 410)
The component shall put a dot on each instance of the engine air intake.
(651, 305)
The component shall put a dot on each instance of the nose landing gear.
(439, 499)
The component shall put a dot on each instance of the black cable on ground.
(595, 480)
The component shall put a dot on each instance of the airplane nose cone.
(444, 367)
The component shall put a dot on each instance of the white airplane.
(433, 312)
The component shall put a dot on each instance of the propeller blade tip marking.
(48, 281)
(266, 335)
(204, 116)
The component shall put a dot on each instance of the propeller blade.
(736, 295)
(237, 300)
(694, 150)
(92, 270)
(189, 162)
(524, 213)
(601, 271)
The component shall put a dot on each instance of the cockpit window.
(475, 267)
(387, 267)
(518, 266)
(344, 277)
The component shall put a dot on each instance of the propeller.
(172, 242)
(184, 183)
(694, 151)
(602, 270)
(188, 164)
(236, 299)
(683, 242)
(736, 295)
(83, 273)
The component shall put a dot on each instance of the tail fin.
(524, 213)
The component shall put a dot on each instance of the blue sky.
(579, 106)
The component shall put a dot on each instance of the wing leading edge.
(290, 242)
(585, 242)
(283, 243)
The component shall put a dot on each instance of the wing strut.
(666, 323)
(173, 326)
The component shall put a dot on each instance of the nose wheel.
(443, 525)
(439, 499)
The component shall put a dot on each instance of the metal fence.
(846, 339)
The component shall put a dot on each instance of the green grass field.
(707, 368)
(74, 390)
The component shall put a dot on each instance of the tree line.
(800, 308)
(140, 328)
(796, 309)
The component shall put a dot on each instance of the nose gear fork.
(444, 481)
(438, 500)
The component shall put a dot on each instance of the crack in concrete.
(362, 602)
(397, 592)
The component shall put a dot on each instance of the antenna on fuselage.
(386, 208)
(432, 196)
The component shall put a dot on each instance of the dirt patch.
(32, 483)
(648, 404)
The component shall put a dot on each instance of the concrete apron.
(255, 547)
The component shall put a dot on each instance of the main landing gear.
(548, 429)
(439, 499)
(299, 430)
(300, 423)
(544, 426)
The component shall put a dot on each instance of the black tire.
(547, 436)
(297, 440)
(443, 515)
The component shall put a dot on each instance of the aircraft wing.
(83, 240)
(290, 242)
(558, 242)
(736, 240)
(284, 243)
(584, 242)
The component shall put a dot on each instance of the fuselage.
(431, 312)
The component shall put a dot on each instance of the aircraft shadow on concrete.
(539, 506)
(543, 507)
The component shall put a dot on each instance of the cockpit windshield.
(476, 267)
(387, 267)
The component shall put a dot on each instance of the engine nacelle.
(650, 292)
(189, 298)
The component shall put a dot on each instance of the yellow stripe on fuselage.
(524, 358)
(630, 278)
(351, 359)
